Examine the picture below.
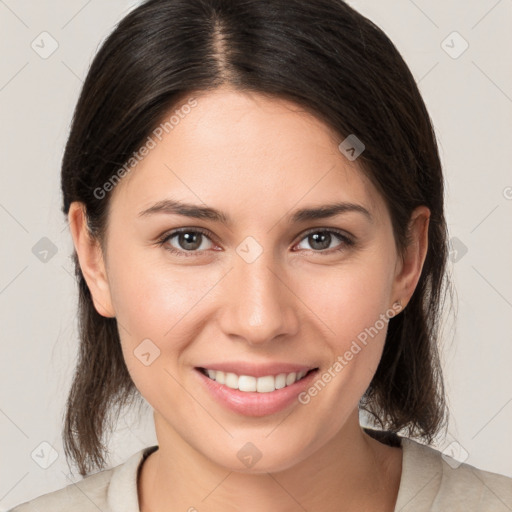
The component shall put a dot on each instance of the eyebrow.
(173, 207)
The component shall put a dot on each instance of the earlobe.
(90, 257)
(414, 255)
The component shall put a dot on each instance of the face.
(256, 291)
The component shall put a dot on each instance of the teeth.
(249, 383)
(280, 381)
(291, 378)
(265, 384)
(246, 383)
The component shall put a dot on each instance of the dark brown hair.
(334, 63)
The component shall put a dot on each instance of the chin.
(259, 457)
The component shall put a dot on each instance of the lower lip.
(253, 403)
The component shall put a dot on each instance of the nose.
(260, 305)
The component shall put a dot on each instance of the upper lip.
(256, 370)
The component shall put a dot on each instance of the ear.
(90, 257)
(411, 264)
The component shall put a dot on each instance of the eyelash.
(162, 241)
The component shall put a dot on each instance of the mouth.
(254, 384)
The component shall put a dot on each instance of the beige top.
(428, 483)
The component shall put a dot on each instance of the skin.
(257, 159)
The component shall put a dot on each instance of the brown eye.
(189, 240)
(323, 240)
(185, 241)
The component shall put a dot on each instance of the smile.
(249, 383)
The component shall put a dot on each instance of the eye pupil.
(320, 238)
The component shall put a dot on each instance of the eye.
(186, 240)
(193, 241)
(321, 240)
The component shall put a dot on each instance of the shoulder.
(87, 494)
(434, 481)
(106, 491)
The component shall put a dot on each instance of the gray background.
(469, 96)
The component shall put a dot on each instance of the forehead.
(246, 149)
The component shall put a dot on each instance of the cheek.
(349, 303)
(160, 302)
(157, 306)
(350, 298)
(151, 297)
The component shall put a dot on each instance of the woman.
(255, 197)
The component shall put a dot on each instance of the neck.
(350, 472)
